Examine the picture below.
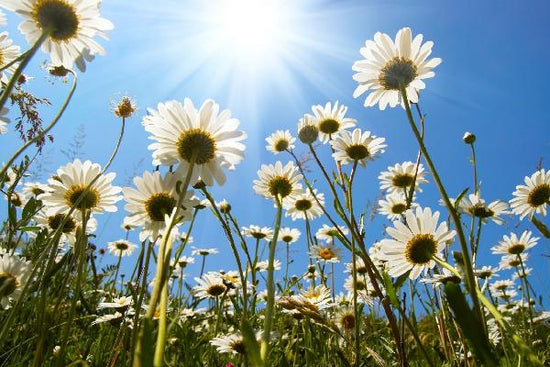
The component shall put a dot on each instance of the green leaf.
(29, 229)
(471, 326)
(251, 343)
(459, 198)
(146, 354)
(541, 227)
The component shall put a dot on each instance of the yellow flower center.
(90, 197)
(397, 72)
(398, 208)
(303, 204)
(329, 126)
(539, 195)
(402, 180)
(8, 284)
(420, 249)
(216, 290)
(197, 144)
(160, 204)
(55, 221)
(57, 16)
(326, 254)
(357, 152)
(281, 145)
(121, 246)
(280, 186)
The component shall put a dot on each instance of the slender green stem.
(161, 337)
(264, 351)
(24, 62)
(117, 269)
(474, 165)
(470, 278)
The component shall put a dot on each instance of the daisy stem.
(161, 337)
(476, 187)
(446, 265)
(527, 293)
(271, 284)
(117, 269)
(470, 279)
(24, 62)
(45, 131)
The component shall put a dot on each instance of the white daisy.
(394, 205)
(475, 206)
(118, 302)
(345, 318)
(278, 180)
(183, 261)
(8, 53)
(486, 272)
(72, 25)
(121, 248)
(501, 285)
(304, 205)
(363, 288)
(232, 343)
(319, 297)
(388, 65)
(307, 129)
(360, 266)
(400, 177)
(33, 189)
(414, 245)
(64, 190)
(115, 319)
(257, 232)
(52, 222)
(211, 285)
(331, 119)
(289, 235)
(204, 251)
(515, 245)
(14, 275)
(280, 141)
(356, 146)
(327, 253)
(327, 233)
(512, 261)
(262, 266)
(154, 198)
(533, 197)
(4, 120)
(207, 136)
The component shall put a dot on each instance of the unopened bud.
(469, 138)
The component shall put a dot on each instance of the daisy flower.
(64, 190)
(356, 146)
(401, 176)
(211, 285)
(230, 343)
(387, 66)
(4, 120)
(289, 235)
(204, 251)
(533, 197)
(121, 248)
(257, 232)
(280, 141)
(327, 253)
(206, 136)
(118, 302)
(114, 319)
(154, 198)
(327, 233)
(278, 180)
(345, 318)
(394, 205)
(515, 245)
(52, 222)
(307, 129)
(8, 53)
(475, 206)
(360, 266)
(331, 119)
(183, 261)
(414, 245)
(14, 275)
(512, 261)
(262, 266)
(33, 189)
(486, 272)
(304, 205)
(501, 285)
(71, 27)
(319, 297)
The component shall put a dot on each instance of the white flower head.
(533, 197)
(401, 176)
(387, 66)
(475, 206)
(304, 205)
(8, 53)
(330, 120)
(278, 181)
(326, 253)
(327, 233)
(514, 245)
(280, 141)
(257, 232)
(288, 235)
(65, 189)
(71, 26)
(356, 146)
(207, 137)
(14, 275)
(121, 248)
(394, 205)
(414, 245)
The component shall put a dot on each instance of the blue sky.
(493, 81)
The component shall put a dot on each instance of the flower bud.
(469, 138)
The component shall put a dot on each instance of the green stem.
(17, 73)
(470, 279)
(271, 284)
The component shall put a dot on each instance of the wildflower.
(414, 245)
(121, 248)
(64, 191)
(515, 245)
(183, 261)
(8, 53)
(360, 266)
(305, 205)
(257, 232)
(486, 272)
(307, 130)
(356, 146)
(14, 275)
(469, 138)
(318, 298)
(331, 119)
(388, 66)
(327, 233)
(154, 198)
(114, 319)
(394, 205)
(204, 251)
(71, 26)
(125, 107)
(211, 285)
(533, 197)
(280, 141)
(262, 266)
(512, 261)
(4, 120)
(289, 235)
(52, 222)
(345, 318)
(475, 206)
(231, 343)
(206, 137)
(401, 176)
(278, 181)
(327, 253)
(118, 303)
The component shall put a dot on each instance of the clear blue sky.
(493, 81)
